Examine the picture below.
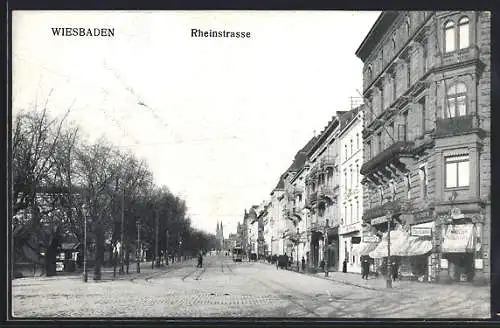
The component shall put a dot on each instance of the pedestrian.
(365, 268)
(395, 269)
(344, 266)
(303, 264)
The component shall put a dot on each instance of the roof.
(332, 124)
(347, 117)
(381, 25)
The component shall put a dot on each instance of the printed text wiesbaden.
(83, 31)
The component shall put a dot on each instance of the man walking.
(365, 267)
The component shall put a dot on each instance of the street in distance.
(198, 33)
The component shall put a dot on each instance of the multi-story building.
(426, 81)
(276, 218)
(351, 193)
(265, 228)
(295, 212)
(253, 230)
(322, 196)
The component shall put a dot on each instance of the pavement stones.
(227, 289)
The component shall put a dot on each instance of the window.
(345, 213)
(382, 98)
(393, 45)
(390, 131)
(369, 149)
(394, 87)
(463, 33)
(369, 73)
(407, 26)
(402, 128)
(408, 72)
(357, 174)
(352, 213)
(357, 140)
(424, 55)
(456, 100)
(457, 171)
(393, 190)
(345, 148)
(350, 171)
(345, 180)
(357, 209)
(408, 186)
(381, 195)
(449, 36)
(379, 142)
(422, 108)
(351, 147)
(423, 178)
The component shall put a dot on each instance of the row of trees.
(60, 179)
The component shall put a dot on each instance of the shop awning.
(363, 249)
(399, 245)
(418, 246)
(459, 238)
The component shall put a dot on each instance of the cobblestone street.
(224, 288)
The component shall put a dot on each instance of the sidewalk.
(107, 272)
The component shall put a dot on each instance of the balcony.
(327, 162)
(398, 151)
(311, 199)
(461, 56)
(395, 207)
(297, 191)
(326, 192)
(455, 126)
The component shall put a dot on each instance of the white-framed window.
(351, 147)
(449, 36)
(457, 171)
(423, 181)
(463, 33)
(408, 186)
(357, 209)
(456, 97)
(357, 174)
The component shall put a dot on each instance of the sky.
(218, 120)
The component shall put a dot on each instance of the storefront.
(399, 242)
(349, 239)
(458, 250)
(416, 260)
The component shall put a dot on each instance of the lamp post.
(389, 278)
(85, 275)
(325, 250)
(138, 252)
(389, 265)
(298, 236)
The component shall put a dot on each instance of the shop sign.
(421, 232)
(422, 216)
(456, 213)
(444, 264)
(379, 220)
(370, 239)
(348, 228)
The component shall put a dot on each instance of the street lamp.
(138, 252)
(85, 275)
(298, 240)
(325, 250)
(389, 265)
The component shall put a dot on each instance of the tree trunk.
(99, 254)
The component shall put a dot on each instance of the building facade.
(426, 138)
(322, 196)
(351, 191)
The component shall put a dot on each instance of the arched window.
(369, 73)
(393, 45)
(463, 33)
(449, 36)
(457, 100)
(407, 26)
